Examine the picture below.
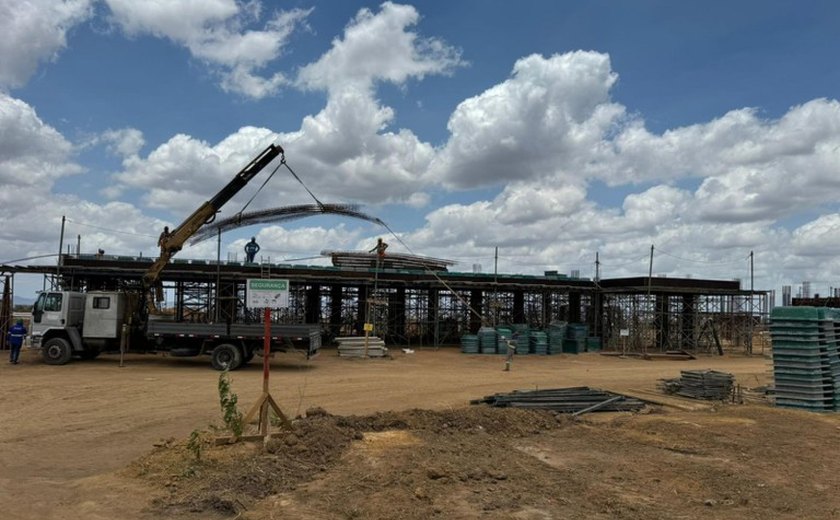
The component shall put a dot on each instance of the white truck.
(67, 324)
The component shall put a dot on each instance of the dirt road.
(66, 431)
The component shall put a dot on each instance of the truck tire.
(226, 356)
(57, 351)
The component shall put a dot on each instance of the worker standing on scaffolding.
(379, 248)
(251, 250)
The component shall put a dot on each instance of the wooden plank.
(656, 398)
(596, 406)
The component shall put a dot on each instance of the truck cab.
(66, 323)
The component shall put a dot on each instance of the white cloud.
(347, 148)
(184, 172)
(31, 152)
(35, 31)
(180, 20)
(33, 156)
(344, 153)
(125, 142)
(552, 117)
(378, 47)
(819, 238)
(554, 122)
(775, 168)
(522, 203)
(216, 32)
(659, 205)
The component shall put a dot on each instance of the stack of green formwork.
(487, 340)
(806, 360)
(575, 341)
(538, 342)
(521, 331)
(556, 335)
(469, 344)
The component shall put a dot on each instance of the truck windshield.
(52, 302)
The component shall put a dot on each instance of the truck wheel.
(226, 356)
(57, 351)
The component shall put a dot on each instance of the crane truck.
(68, 324)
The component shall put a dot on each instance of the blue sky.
(551, 129)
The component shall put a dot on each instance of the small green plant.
(228, 401)
(196, 444)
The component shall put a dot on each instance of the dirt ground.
(397, 439)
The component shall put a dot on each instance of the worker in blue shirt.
(251, 250)
(16, 335)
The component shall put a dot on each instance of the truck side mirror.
(36, 315)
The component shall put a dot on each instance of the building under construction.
(416, 301)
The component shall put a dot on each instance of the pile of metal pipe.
(574, 400)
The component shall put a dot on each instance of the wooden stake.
(265, 401)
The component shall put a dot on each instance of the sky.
(551, 130)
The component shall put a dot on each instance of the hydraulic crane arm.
(204, 214)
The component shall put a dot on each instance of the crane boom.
(204, 214)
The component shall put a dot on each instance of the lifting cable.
(433, 273)
(282, 163)
(320, 204)
(261, 187)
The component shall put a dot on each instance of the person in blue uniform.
(251, 250)
(16, 335)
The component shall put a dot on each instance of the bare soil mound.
(735, 462)
(230, 479)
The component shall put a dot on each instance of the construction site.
(393, 386)
(393, 434)
(427, 305)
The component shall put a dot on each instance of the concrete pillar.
(396, 314)
(662, 322)
(335, 309)
(546, 308)
(362, 311)
(689, 317)
(433, 330)
(179, 301)
(574, 307)
(518, 306)
(312, 304)
(477, 303)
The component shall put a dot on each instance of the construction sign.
(266, 294)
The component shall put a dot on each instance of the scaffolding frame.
(659, 322)
(420, 308)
